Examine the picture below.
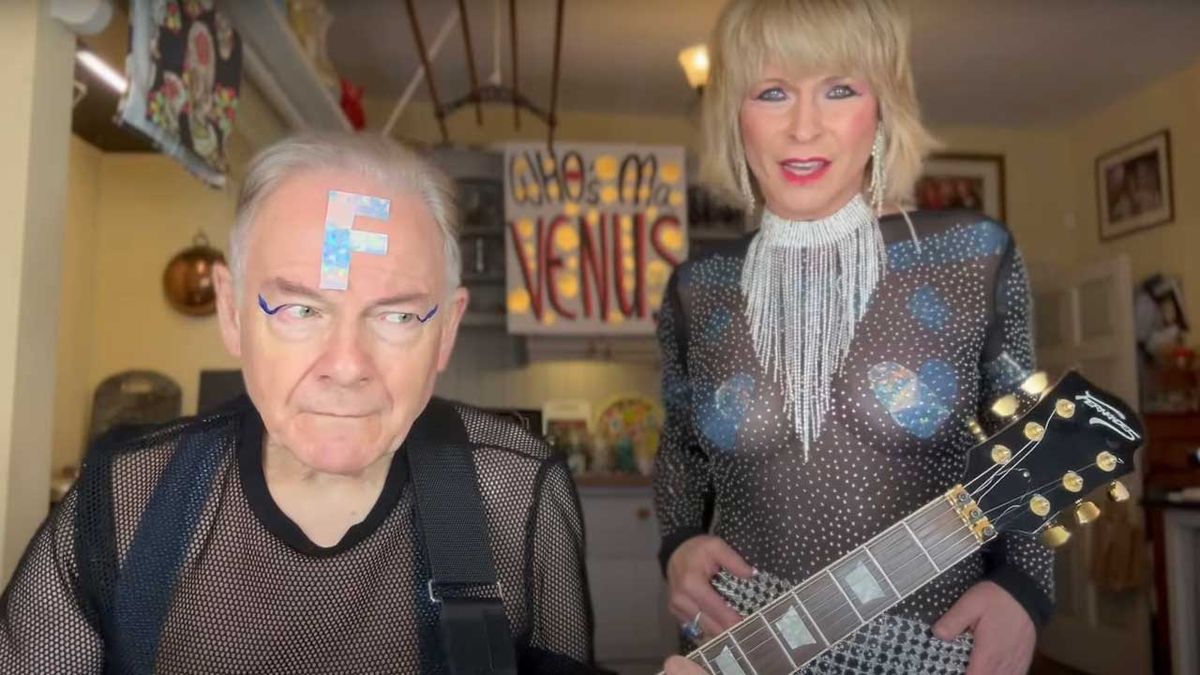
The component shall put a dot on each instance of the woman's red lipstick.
(813, 172)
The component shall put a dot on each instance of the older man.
(281, 534)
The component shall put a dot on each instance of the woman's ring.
(692, 630)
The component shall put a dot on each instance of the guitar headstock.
(1059, 444)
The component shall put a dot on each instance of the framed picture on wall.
(972, 181)
(1133, 186)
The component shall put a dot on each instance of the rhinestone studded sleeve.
(682, 488)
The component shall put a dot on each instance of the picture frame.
(965, 180)
(1134, 186)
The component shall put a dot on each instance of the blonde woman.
(818, 375)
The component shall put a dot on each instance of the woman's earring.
(747, 191)
(878, 171)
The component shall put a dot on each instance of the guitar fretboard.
(798, 626)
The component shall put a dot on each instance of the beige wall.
(1170, 103)
(149, 209)
(35, 123)
(73, 390)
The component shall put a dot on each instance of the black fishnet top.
(169, 556)
(947, 331)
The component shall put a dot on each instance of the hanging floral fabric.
(184, 69)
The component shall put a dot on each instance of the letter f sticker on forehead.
(341, 239)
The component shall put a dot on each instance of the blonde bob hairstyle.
(861, 38)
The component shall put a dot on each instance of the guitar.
(1055, 448)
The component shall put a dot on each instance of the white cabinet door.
(1084, 320)
(634, 632)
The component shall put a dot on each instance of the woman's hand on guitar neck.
(690, 570)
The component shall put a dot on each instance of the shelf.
(276, 62)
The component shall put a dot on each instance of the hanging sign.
(592, 234)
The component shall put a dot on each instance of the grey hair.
(372, 156)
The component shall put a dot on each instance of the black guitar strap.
(475, 634)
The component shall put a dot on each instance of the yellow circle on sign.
(571, 209)
(676, 198)
(520, 165)
(627, 243)
(626, 223)
(606, 167)
(519, 194)
(548, 164)
(629, 281)
(672, 238)
(616, 316)
(525, 228)
(671, 172)
(572, 263)
(657, 272)
(552, 191)
(608, 195)
(518, 301)
(530, 254)
(651, 214)
(593, 216)
(628, 263)
(566, 238)
(656, 301)
(568, 287)
(644, 194)
(549, 318)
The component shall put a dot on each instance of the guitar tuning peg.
(977, 431)
(1117, 491)
(1086, 512)
(1055, 536)
(1005, 407)
(1035, 384)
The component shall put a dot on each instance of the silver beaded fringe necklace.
(806, 286)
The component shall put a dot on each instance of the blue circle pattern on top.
(722, 411)
(978, 240)
(919, 402)
(929, 308)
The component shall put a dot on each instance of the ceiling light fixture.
(102, 70)
(694, 60)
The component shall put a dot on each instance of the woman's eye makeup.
(771, 94)
(841, 91)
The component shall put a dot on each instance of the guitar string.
(822, 607)
(895, 600)
(930, 550)
(1002, 471)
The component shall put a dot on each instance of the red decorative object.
(352, 95)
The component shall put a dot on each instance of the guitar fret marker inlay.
(793, 630)
(727, 663)
(862, 583)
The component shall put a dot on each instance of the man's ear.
(227, 310)
(456, 306)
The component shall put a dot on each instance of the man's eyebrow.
(292, 288)
(400, 299)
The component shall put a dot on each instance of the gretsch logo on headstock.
(1109, 416)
